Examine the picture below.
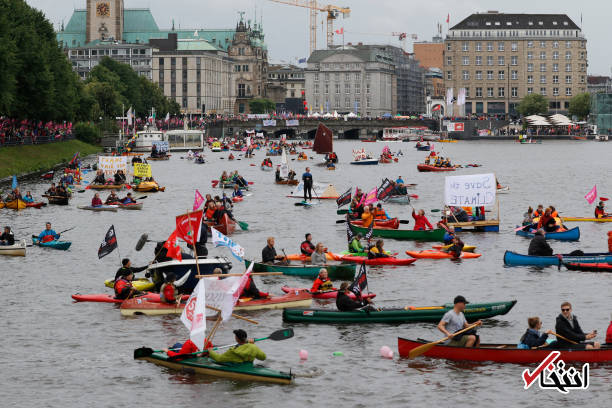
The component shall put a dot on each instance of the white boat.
(18, 249)
(184, 140)
(144, 139)
(361, 157)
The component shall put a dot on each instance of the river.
(61, 354)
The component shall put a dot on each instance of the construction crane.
(399, 35)
(333, 12)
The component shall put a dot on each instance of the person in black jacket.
(344, 303)
(268, 254)
(7, 238)
(538, 245)
(532, 337)
(567, 326)
(127, 266)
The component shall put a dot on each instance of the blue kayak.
(514, 259)
(569, 235)
(56, 244)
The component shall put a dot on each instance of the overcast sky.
(286, 27)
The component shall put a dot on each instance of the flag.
(591, 195)
(188, 226)
(223, 294)
(174, 251)
(368, 235)
(461, 97)
(198, 200)
(74, 158)
(167, 117)
(109, 244)
(360, 282)
(349, 230)
(437, 108)
(14, 184)
(344, 198)
(219, 239)
(385, 190)
(194, 314)
(449, 96)
(130, 116)
(448, 19)
(302, 61)
(371, 197)
(340, 31)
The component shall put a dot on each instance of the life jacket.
(554, 214)
(167, 293)
(121, 285)
(537, 214)
(380, 214)
(210, 213)
(599, 212)
(47, 238)
(325, 285)
(367, 219)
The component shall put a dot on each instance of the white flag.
(194, 315)
(449, 96)
(284, 167)
(461, 97)
(167, 116)
(219, 239)
(223, 294)
(129, 115)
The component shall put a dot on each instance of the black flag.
(349, 230)
(344, 199)
(360, 282)
(109, 244)
(368, 235)
(385, 190)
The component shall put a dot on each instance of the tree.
(261, 105)
(580, 105)
(534, 104)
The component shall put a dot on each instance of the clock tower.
(104, 20)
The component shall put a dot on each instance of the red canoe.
(226, 227)
(36, 205)
(325, 295)
(392, 223)
(237, 199)
(587, 267)
(378, 261)
(426, 167)
(504, 353)
(107, 298)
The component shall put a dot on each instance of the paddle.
(415, 352)
(243, 225)
(563, 338)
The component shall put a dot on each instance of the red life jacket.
(168, 293)
(47, 238)
(121, 285)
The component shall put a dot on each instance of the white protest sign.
(475, 190)
(110, 164)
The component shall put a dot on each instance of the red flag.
(188, 226)
(174, 251)
(448, 18)
(436, 108)
(591, 195)
(340, 31)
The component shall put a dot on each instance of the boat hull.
(188, 265)
(335, 272)
(514, 259)
(16, 205)
(430, 235)
(585, 219)
(569, 235)
(111, 208)
(290, 299)
(378, 261)
(61, 245)
(365, 162)
(428, 168)
(587, 267)
(18, 249)
(106, 186)
(392, 223)
(436, 254)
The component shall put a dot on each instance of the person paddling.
(355, 245)
(567, 326)
(600, 211)
(251, 291)
(322, 283)
(96, 201)
(456, 248)
(378, 250)
(268, 254)
(319, 257)
(7, 237)
(420, 220)
(538, 245)
(344, 303)
(123, 286)
(306, 247)
(453, 321)
(244, 352)
(112, 198)
(48, 234)
(128, 199)
(532, 337)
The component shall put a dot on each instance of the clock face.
(103, 9)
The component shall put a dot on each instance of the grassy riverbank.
(29, 158)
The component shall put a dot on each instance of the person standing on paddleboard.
(307, 179)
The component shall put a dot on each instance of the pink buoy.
(386, 352)
(303, 355)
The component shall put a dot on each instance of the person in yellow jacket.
(244, 352)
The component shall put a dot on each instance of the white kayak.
(112, 208)
(18, 249)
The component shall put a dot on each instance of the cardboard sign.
(470, 191)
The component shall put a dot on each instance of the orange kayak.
(392, 223)
(301, 257)
(434, 254)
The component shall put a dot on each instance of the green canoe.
(336, 272)
(429, 314)
(204, 365)
(401, 234)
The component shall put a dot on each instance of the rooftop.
(498, 21)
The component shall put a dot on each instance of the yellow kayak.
(586, 219)
(16, 204)
(466, 248)
(141, 284)
(447, 141)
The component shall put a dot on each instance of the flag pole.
(214, 329)
(195, 252)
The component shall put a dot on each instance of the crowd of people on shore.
(14, 131)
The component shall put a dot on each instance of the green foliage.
(580, 105)
(534, 104)
(87, 132)
(261, 105)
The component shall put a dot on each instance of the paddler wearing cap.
(244, 352)
(126, 266)
(123, 286)
(453, 321)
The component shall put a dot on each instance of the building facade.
(286, 86)
(104, 20)
(599, 84)
(500, 58)
(351, 80)
(139, 57)
(430, 55)
(410, 78)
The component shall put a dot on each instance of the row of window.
(501, 75)
(531, 66)
(514, 33)
(347, 76)
(241, 68)
(501, 60)
(347, 88)
(350, 104)
(501, 46)
(514, 93)
(338, 66)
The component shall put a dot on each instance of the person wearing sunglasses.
(568, 327)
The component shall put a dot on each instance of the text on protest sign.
(470, 191)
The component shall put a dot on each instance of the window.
(501, 75)
(529, 55)
(368, 102)
(478, 92)
(514, 92)
(555, 55)
(514, 75)
(245, 68)
(542, 79)
(316, 76)
(529, 44)
(530, 79)
(489, 46)
(501, 60)
(529, 67)
(543, 91)
(478, 46)
(555, 44)
(542, 55)
(367, 76)
(337, 76)
(347, 103)
(236, 68)
(529, 91)
(568, 91)
(581, 54)
(357, 76)
(500, 46)
(449, 75)
(368, 88)
(568, 67)
(542, 44)
(501, 92)
(337, 88)
(555, 79)
(489, 60)
(466, 60)
(327, 88)
(478, 60)
(514, 60)
(467, 92)
(337, 103)
(347, 76)
(172, 61)
(568, 79)
(449, 60)
(489, 75)
(478, 75)
(582, 79)
(184, 102)
(184, 89)
(316, 88)
(347, 88)
(555, 67)
(568, 44)
(448, 46)
(489, 92)
(241, 51)
(327, 76)
(466, 46)
(357, 88)
(543, 67)
(568, 55)
(555, 91)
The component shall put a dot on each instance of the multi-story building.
(139, 57)
(286, 87)
(500, 58)
(430, 55)
(599, 84)
(410, 79)
(349, 79)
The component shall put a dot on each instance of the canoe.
(112, 208)
(206, 366)
(56, 244)
(514, 259)
(335, 272)
(586, 267)
(342, 211)
(288, 182)
(140, 284)
(378, 261)
(18, 249)
(503, 190)
(390, 223)
(401, 234)
(428, 314)
(106, 186)
(423, 148)
(57, 200)
(504, 353)
(365, 162)
(426, 167)
(466, 248)
(166, 157)
(399, 199)
(304, 258)
(237, 199)
(132, 206)
(290, 299)
(332, 294)
(435, 254)
(36, 205)
(226, 227)
(147, 187)
(109, 298)
(586, 219)
(567, 235)
(15, 204)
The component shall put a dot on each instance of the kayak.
(305, 258)
(112, 208)
(57, 200)
(587, 267)
(55, 244)
(288, 182)
(466, 248)
(426, 167)
(15, 204)
(140, 284)
(166, 157)
(378, 261)
(392, 223)
(148, 187)
(399, 199)
(206, 366)
(290, 299)
(36, 205)
(401, 234)
(514, 259)
(17, 249)
(336, 272)
(586, 219)
(226, 227)
(365, 162)
(237, 199)
(107, 298)
(331, 294)
(567, 235)
(435, 254)
(504, 353)
(411, 314)
(131, 206)
(106, 186)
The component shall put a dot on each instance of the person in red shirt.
(168, 291)
(123, 286)
(186, 349)
(420, 221)
(609, 241)
(96, 201)
(322, 283)
(307, 248)
(609, 333)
